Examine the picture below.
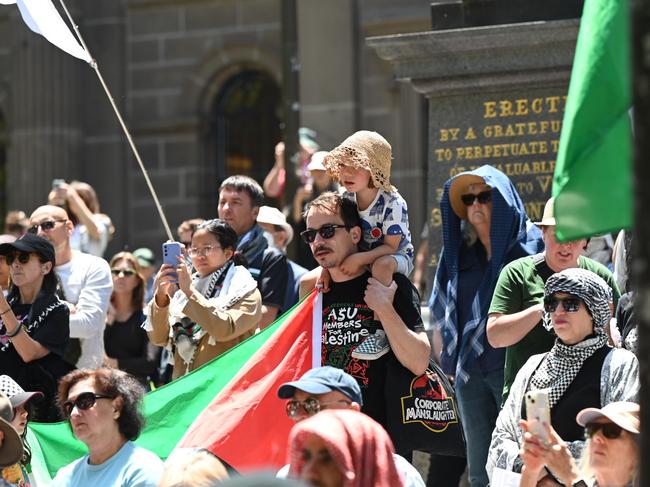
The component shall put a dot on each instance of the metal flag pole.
(95, 66)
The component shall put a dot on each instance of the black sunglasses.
(46, 226)
(22, 257)
(126, 272)
(483, 197)
(311, 405)
(611, 431)
(570, 305)
(326, 231)
(83, 401)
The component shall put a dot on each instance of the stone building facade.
(199, 83)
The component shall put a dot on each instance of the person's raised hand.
(378, 296)
(165, 284)
(532, 450)
(184, 276)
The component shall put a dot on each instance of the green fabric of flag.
(169, 410)
(592, 184)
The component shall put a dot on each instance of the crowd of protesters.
(515, 311)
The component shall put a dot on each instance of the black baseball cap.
(321, 380)
(30, 243)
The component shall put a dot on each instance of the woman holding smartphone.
(203, 315)
(580, 371)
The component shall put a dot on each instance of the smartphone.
(538, 412)
(171, 251)
(57, 183)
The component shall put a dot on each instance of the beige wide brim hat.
(624, 414)
(273, 216)
(548, 219)
(365, 150)
(11, 450)
(460, 186)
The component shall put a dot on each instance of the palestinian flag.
(229, 405)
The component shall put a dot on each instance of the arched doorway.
(247, 124)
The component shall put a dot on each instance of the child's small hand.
(324, 280)
(352, 265)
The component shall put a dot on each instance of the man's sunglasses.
(326, 231)
(126, 272)
(310, 405)
(46, 226)
(611, 431)
(83, 401)
(483, 197)
(570, 305)
(22, 257)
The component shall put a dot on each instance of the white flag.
(41, 17)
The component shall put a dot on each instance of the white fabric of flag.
(42, 17)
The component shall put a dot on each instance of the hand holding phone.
(171, 252)
(538, 413)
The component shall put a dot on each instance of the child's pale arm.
(353, 263)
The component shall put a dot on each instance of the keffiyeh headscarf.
(358, 444)
(561, 365)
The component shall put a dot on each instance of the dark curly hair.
(113, 383)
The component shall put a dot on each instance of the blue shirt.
(131, 466)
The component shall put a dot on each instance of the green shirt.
(520, 286)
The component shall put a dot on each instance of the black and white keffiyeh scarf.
(561, 365)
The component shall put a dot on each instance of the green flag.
(592, 184)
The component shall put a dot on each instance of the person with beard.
(240, 198)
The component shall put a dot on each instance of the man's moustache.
(322, 247)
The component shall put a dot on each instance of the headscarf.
(512, 235)
(359, 446)
(563, 362)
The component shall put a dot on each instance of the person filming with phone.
(203, 315)
(610, 458)
(580, 371)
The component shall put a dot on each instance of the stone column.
(45, 117)
(496, 96)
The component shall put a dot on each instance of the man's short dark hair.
(333, 202)
(243, 183)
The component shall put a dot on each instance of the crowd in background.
(513, 310)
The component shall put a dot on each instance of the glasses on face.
(83, 401)
(611, 431)
(483, 197)
(326, 231)
(202, 251)
(46, 226)
(570, 305)
(126, 272)
(310, 405)
(22, 257)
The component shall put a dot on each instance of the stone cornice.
(457, 60)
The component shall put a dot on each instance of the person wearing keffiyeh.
(342, 448)
(580, 371)
(484, 226)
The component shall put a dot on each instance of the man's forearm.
(506, 330)
(411, 348)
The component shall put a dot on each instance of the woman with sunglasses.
(126, 344)
(34, 323)
(103, 407)
(610, 458)
(203, 315)
(580, 371)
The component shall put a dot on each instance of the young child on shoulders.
(361, 164)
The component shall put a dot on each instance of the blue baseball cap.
(322, 380)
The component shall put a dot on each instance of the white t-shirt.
(386, 215)
(81, 239)
(131, 466)
(87, 284)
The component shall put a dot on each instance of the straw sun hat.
(364, 150)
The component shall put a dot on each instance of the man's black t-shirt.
(347, 320)
(41, 374)
(270, 272)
